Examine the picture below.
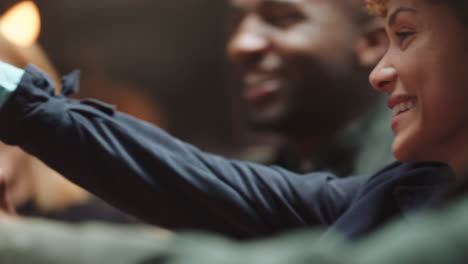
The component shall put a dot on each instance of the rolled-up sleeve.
(146, 172)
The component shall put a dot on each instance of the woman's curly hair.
(378, 7)
(460, 7)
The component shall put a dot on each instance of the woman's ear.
(372, 43)
(21, 23)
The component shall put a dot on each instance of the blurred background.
(162, 61)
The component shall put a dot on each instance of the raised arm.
(144, 171)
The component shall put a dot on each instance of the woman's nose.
(383, 77)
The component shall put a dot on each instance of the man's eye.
(283, 19)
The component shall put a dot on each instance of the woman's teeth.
(402, 107)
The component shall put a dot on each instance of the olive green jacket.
(433, 237)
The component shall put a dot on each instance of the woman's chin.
(402, 158)
(407, 155)
(404, 152)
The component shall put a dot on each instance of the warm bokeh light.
(21, 24)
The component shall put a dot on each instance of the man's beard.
(298, 119)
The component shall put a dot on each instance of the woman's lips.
(400, 106)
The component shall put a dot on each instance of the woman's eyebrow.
(393, 16)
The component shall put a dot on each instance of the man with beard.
(303, 67)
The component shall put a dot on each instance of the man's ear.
(21, 23)
(372, 43)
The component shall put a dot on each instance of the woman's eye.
(403, 35)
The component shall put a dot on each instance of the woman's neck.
(457, 157)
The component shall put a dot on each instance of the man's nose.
(383, 77)
(250, 39)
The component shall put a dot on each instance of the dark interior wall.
(174, 50)
(5, 4)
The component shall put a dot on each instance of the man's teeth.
(271, 85)
(402, 107)
(255, 80)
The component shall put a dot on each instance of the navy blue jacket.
(144, 171)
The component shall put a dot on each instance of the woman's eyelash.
(402, 35)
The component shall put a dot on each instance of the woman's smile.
(400, 105)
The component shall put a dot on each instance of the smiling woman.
(424, 74)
